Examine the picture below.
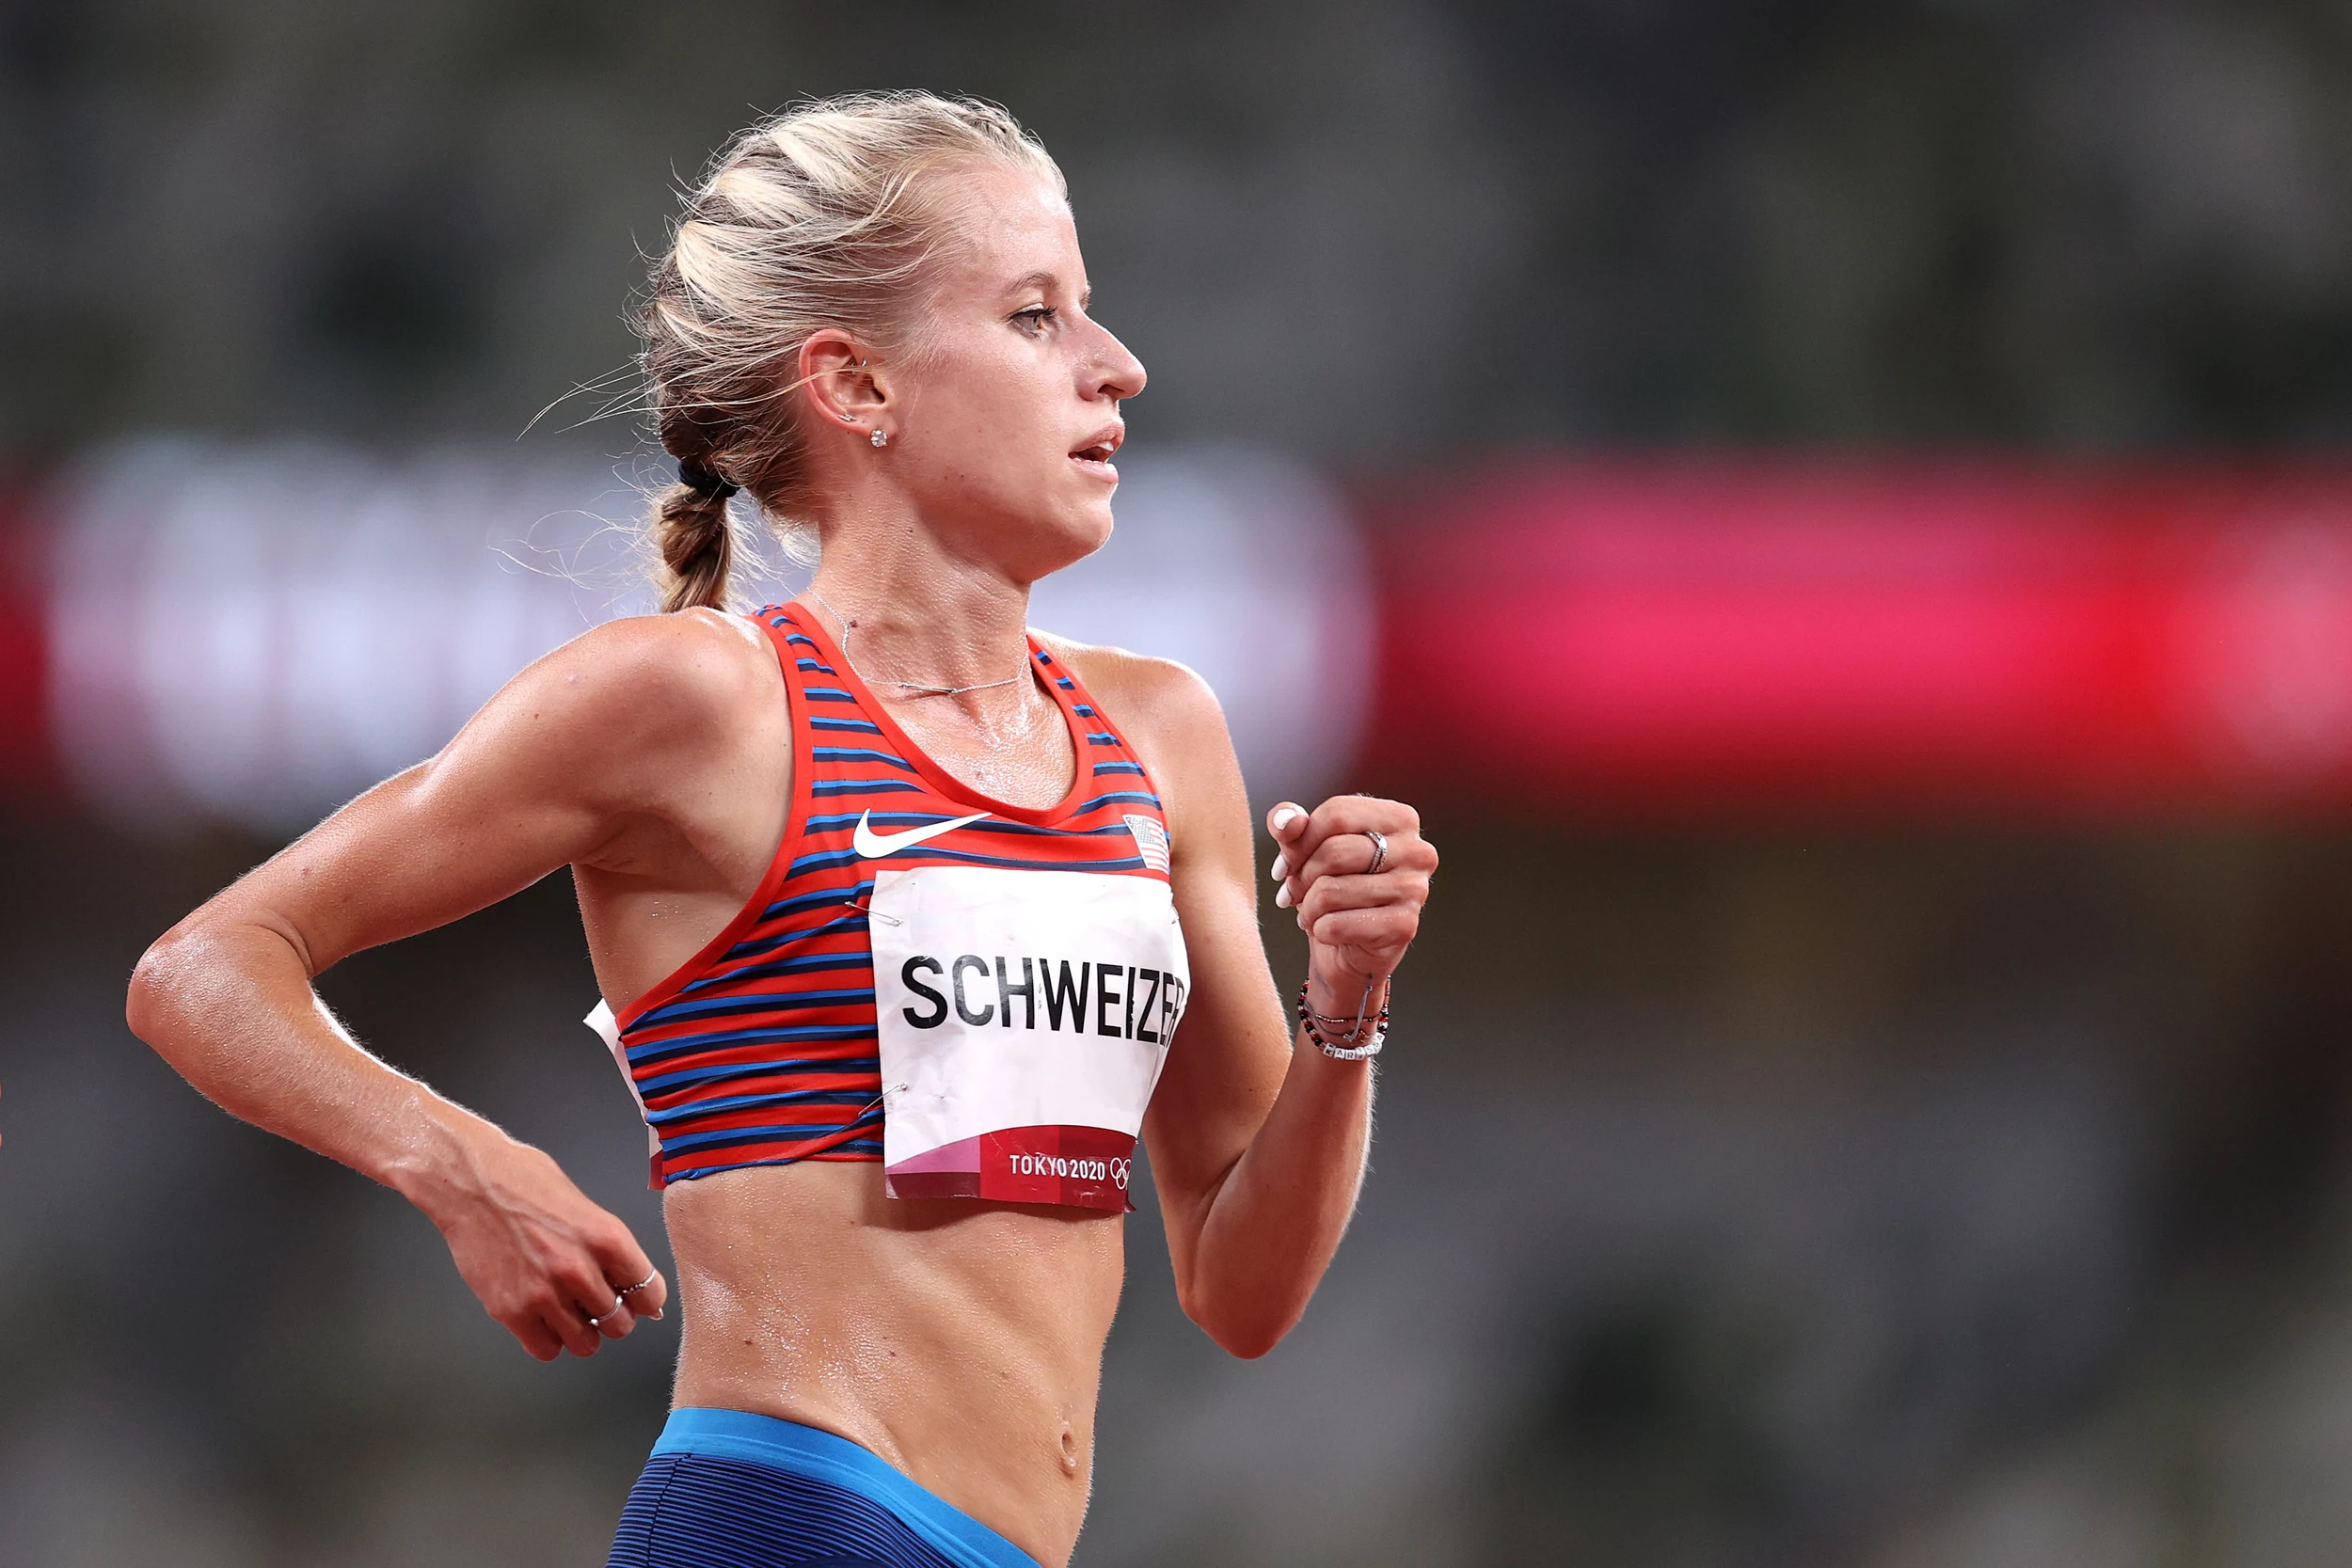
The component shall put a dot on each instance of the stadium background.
(1838, 512)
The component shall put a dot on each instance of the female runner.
(897, 905)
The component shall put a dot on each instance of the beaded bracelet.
(1316, 1024)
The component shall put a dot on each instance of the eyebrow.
(1046, 282)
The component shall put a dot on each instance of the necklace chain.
(849, 625)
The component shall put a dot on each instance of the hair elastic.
(704, 481)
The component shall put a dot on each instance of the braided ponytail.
(694, 532)
(814, 219)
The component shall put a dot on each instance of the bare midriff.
(960, 1341)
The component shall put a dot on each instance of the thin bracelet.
(1315, 1023)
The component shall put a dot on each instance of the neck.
(905, 609)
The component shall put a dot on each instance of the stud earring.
(881, 437)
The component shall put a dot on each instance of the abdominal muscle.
(960, 1341)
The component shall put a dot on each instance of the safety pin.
(872, 913)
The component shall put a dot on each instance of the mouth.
(1094, 456)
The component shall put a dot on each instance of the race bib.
(1023, 1019)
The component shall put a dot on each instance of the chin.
(1069, 539)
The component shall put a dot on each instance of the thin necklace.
(849, 625)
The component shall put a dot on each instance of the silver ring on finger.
(1379, 851)
(632, 1290)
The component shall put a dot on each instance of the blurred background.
(1841, 514)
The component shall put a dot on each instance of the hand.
(542, 1259)
(1358, 925)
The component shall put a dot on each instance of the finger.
(1348, 857)
(1387, 925)
(648, 1299)
(1378, 936)
(624, 1265)
(1349, 814)
(1398, 920)
(579, 1297)
(1352, 855)
(552, 1321)
(602, 1309)
(536, 1337)
(570, 1324)
(1405, 890)
(1285, 821)
(615, 1320)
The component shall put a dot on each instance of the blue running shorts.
(725, 1489)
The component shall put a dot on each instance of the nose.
(1112, 373)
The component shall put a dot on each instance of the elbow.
(156, 983)
(1242, 1330)
(1247, 1346)
(143, 1007)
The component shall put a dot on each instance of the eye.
(1036, 318)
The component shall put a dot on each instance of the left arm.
(1257, 1138)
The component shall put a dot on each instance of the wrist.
(441, 1165)
(1355, 1037)
(1346, 996)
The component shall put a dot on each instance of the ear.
(843, 386)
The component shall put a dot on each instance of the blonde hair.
(814, 218)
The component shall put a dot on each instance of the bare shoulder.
(648, 673)
(625, 712)
(1174, 723)
(1160, 703)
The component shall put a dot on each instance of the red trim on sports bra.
(940, 780)
(771, 880)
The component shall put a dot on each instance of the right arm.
(600, 755)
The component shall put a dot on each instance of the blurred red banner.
(1677, 640)
(27, 761)
(1623, 640)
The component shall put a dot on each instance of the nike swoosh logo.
(874, 845)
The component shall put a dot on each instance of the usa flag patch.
(1150, 841)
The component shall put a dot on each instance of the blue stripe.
(1065, 683)
(826, 695)
(797, 637)
(1132, 862)
(1103, 767)
(788, 966)
(653, 1089)
(1138, 797)
(882, 819)
(815, 667)
(869, 786)
(658, 1119)
(812, 901)
(852, 753)
(1082, 710)
(825, 861)
(1100, 739)
(686, 1142)
(798, 1034)
(840, 927)
(862, 726)
(722, 1006)
(868, 1148)
(994, 825)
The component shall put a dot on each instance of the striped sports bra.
(1016, 970)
